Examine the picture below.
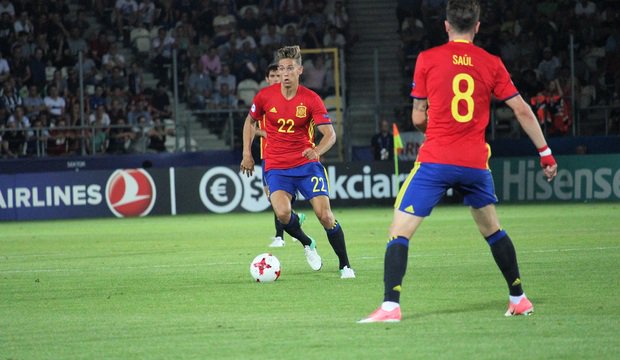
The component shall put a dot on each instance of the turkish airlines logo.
(130, 193)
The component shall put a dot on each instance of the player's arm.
(529, 123)
(326, 143)
(249, 131)
(419, 116)
(258, 132)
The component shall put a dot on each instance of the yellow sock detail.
(516, 282)
(397, 288)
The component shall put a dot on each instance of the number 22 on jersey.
(286, 125)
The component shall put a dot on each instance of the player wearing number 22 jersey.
(289, 125)
(291, 113)
(458, 79)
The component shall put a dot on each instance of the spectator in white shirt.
(585, 8)
(23, 24)
(147, 11)
(55, 104)
(226, 78)
(224, 24)
(334, 39)
(125, 12)
(99, 117)
(113, 59)
(7, 6)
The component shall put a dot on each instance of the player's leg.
(505, 257)
(300, 215)
(282, 188)
(403, 226)
(278, 239)
(419, 194)
(480, 196)
(402, 229)
(281, 203)
(335, 235)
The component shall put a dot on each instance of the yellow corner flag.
(398, 148)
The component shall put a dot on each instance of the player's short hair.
(289, 52)
(463, 15)
(270, 68)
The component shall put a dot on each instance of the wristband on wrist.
(544, 151)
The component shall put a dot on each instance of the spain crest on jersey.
(301, 111)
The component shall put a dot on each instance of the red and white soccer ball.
(265, 268)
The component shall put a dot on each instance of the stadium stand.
(532, 38)
(129, 43)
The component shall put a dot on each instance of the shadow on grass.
(494, 305)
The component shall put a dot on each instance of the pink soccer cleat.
(381, 315)
(524, 307)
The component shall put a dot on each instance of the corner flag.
(398, 148)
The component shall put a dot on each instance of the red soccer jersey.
(458, 79)
(289, 124)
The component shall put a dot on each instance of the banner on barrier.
(120, 193)
(580, 178)
(223, 189)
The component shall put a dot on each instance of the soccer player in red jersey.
(292, 113)
(452, 88)
(272, 77)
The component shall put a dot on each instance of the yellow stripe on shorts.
(401, 193)
(326, 178)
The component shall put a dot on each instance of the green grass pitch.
(180, 288)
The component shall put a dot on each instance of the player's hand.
(547, 162)
(310, 154)
(247, 166)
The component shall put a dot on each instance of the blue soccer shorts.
(427, 183)
(309, 179)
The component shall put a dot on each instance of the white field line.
(211, 264)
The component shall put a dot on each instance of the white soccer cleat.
(277, 242)
(347, 273)
(312, 256)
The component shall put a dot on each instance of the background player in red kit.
(452, 88)
(292, 112)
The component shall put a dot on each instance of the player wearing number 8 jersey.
(291, 114)
(452, 89)
(458, 79)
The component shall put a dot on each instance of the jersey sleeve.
(504, 87)
(257, 109)
(418, 86)
(319, 112)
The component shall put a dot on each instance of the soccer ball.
(265, 268)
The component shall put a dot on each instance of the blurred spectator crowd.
(222, 50)
(533, 40)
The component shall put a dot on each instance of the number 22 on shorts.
(319, 184)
